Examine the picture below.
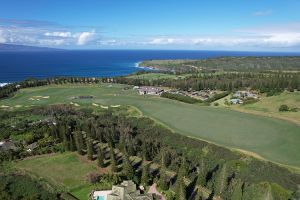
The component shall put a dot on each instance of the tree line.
(264, 82)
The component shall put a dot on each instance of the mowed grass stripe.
(271, 138)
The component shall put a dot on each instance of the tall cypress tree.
(145, 175)
(79, 142)
(128, 170)
(113, 163)
(163, 182)
(219, 180)
(180, 189)
(90, 151)
(72, 143)
(100, 157)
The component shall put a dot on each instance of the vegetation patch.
(67, 171)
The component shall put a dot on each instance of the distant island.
(23, 48)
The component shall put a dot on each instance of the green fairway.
(273, 139)
(65, 171)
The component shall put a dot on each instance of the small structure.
(150, 90)
(7, 145)
(236, 101)
(245, 94)
(127, 190)
(31, 147)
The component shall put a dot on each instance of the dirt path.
(153, 190)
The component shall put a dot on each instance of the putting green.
(271, 138)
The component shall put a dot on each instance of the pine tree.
(180, 189)
(163, 164)
(100, 157)
(113, 163)
(180, 185)
(163, 182)
(72, 143)
(79, 142)
(128, 170)
(201, 174)
(90, 151)
(144, 150)
(220, 178)
(145, 175)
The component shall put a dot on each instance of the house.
(125, 191)
(7, 145)
(245, 94)
(150, 90)
(31, 147)
(236, 101)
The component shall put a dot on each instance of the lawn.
(273, 139)
(66, 171)
(270, 105)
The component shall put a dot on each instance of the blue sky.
(272, 25)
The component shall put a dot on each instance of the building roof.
(7, 145)
(32, 146)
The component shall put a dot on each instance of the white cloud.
(2, 37)
(49, 42)
(85, 37)
(59, 34)
(263, 13)
(267, 37)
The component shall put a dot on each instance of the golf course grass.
(66, 171)
(273, 139)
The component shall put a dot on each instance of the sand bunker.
(105, 107)
(94, 104)
(38, 98)
(18, 106)
(4, 106)
(115, 106)
(75, 104)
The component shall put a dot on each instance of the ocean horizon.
(17, 66)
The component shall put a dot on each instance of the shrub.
(283, 108)
(92, 178)
(179, 97)
(250, 101)
(216, 104)
(217, 96)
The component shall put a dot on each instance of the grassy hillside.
(273, 139)
(270, 105)
(67, 171)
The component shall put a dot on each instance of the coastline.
(137, 65)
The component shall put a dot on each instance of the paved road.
(153, 190)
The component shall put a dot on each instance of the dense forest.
(263, 82)
(189, 167)
(17, 186)
(226, 64)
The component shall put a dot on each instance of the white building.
(150, 90)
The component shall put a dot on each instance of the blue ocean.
(16, 66)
